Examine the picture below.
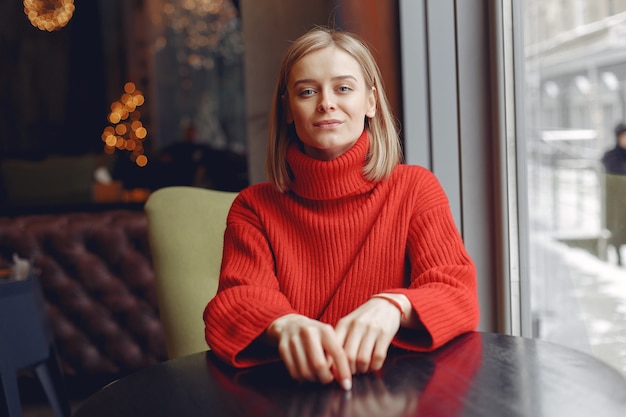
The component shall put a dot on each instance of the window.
(574, 94)
(512, 105)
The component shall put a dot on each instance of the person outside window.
(614, 163)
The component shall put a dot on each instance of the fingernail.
(346, 384)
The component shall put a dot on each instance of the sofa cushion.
(98, 283)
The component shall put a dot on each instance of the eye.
(306, 92)
(344, 89)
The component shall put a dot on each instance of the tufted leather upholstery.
(98, 284)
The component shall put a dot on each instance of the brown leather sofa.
(98, 284)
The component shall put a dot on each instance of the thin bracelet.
(392, 301)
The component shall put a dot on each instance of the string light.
(126, 132)
(49, 15)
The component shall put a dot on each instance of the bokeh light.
(126, 132)
(49, 15)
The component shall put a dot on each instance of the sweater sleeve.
(442, 288)
(248, 297)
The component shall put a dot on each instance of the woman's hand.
(310, 349)
(367, 332)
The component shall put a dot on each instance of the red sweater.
(323, 248)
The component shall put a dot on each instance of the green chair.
(186, 232)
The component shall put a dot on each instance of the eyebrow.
(337, 78)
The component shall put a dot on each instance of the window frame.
(462, 64)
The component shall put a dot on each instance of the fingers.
(358, 346)
(315, 351)
(366, 349)
(311, 351)
(340, 365)
(304, 357)
(366, 334)
(379, 355)
(294, 357)
(314, 364)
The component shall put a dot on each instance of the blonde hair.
(385, 150)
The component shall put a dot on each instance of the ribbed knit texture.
(334, 240)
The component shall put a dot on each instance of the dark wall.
(53, 85)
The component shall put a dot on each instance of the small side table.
(26, 341)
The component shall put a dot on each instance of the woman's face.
(328, 101)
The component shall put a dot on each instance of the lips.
(327, 123)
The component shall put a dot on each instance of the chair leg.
(51, 378)
(12, 403)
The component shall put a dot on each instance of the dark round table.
(477, 374)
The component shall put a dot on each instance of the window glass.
(575, 95)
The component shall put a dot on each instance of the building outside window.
(574, 75)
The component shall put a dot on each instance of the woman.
(345, 250)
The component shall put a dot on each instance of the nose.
(326, 102)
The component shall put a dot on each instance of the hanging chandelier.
(49, 15)
(203, 30)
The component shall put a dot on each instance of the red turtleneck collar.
(326, 180)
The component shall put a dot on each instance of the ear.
(371, 104)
